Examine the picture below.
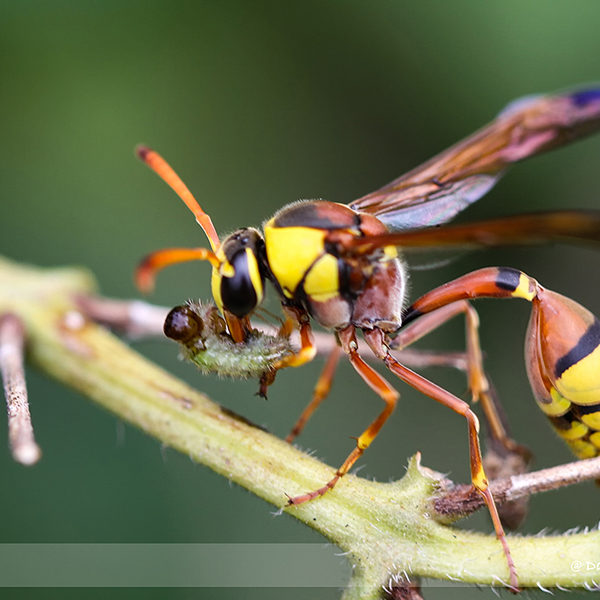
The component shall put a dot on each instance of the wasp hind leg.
(382, 388)
(375, 339)
(479, 385)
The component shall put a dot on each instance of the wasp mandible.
(340, 265)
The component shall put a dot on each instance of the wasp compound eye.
(183, 324)
(240, 289)
(238, 292)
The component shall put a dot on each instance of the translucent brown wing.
(436, 191)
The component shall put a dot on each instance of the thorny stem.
(386, 529)
(20, 431)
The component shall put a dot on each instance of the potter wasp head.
(238, 264)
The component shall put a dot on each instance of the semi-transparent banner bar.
(172, 565)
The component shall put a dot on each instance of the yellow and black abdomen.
(563, 364)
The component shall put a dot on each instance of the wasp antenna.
(162, 168)
(145, 274)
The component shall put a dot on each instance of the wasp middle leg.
(321, 391)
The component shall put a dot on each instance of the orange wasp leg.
(323, 385)
(478, 478)
(321, 391)
(478, 382)
(296, 319)
(382, 388)
(308, 350)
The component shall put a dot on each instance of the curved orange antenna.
(154, 262)
(162, 168)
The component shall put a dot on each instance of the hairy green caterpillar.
(202, 335)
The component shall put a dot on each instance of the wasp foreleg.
(321, 391)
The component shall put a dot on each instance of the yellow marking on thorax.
(322, 281)
(391, 252)
(580, 383)
(291, 251)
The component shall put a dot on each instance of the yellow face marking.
(224, 270)
(291, 251)
(215, 285)
(322, 281)
(582, 449)
(254, 275)
(525, 289)
(595, 439)
(592, 420)
(557, 407)
(580, 383)
(576, 431)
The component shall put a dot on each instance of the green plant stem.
(386, 528)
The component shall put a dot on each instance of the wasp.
(341, 266)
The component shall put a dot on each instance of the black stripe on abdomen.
(587, 343)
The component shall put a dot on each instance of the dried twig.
(461, 500)
(20, 430)
(134, 318)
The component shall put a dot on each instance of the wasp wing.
(438, 190)
(534, 228)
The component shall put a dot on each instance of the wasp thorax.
(183, 324)
(238, 283)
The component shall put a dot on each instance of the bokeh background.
(258, 104)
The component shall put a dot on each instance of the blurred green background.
(258, 104)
